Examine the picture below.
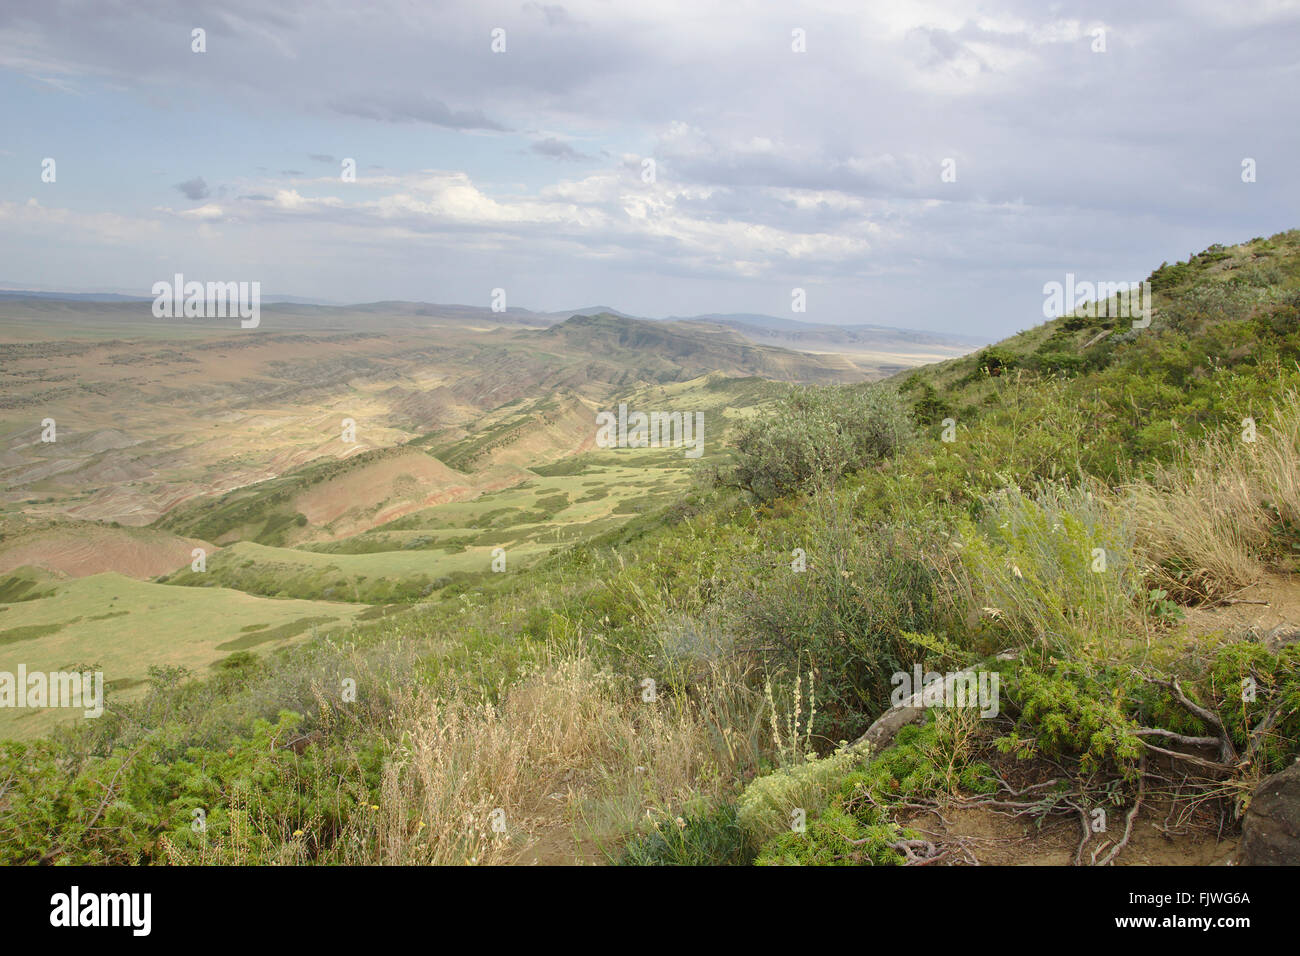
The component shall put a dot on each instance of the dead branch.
(930, 853)
(1183, 739)
(1128, 818)
(1227, 753)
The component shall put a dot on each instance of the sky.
(924, 165)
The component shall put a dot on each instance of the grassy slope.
(126, 626)
(561, 502)
(437, 552)
(648, 598)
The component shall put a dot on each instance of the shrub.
(1265, 724)
(1210, 521)
(706, 839)
(1071, 710)
(766, 805)
(138, 806)
(817, 434)
(852, 835)
(863, 588)
(855, 828)
(995, 359)
(1055, 569)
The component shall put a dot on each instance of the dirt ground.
(1163, 833)
(1271, 603)
(992, 838)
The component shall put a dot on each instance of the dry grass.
(572, 752)
(1206, 526)
(1031, 568)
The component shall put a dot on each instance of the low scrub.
(1054, 569)
(1211, 522)
(816, 435)
(571, 750)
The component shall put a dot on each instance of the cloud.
(773, 167)
(33, 218)
(554, 14)
(413, 107)
(557, 149)
(207, 211)
(195, 188)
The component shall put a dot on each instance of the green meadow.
(125, 627)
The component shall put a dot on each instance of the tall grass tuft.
(1054, 569)
(572, 751)
(1211, 522)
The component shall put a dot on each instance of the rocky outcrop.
(1270, 832)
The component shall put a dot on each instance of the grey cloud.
(943, 45)
(557, 149)
(406, 107)
(1063, 156)
(194, 188)
(554, 14)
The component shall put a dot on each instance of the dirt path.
(1280, 594)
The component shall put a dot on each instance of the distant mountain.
(298, 312)
(118, 297)
(747, 318)
(670, 351)
(72, 296)
(598, 310)
(768, 326)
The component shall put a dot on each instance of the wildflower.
(681, 824)
(297, 833)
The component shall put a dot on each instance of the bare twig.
(1183, 739)
(1128, 818)
(1227, 753)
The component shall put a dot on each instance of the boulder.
(1270, 832)
(1280, 637)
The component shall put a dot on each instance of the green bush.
(1254, 692)
(852, 835)
(855, 828)
(707, 839)
(132, 806)
(766, 805)
(817, 434)
(1055, 569)
(1074, 710)
(845, 616)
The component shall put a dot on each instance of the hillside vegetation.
(1078, 509)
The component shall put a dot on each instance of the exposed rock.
(1280, 637)
(1271, 828)
(880, 735)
